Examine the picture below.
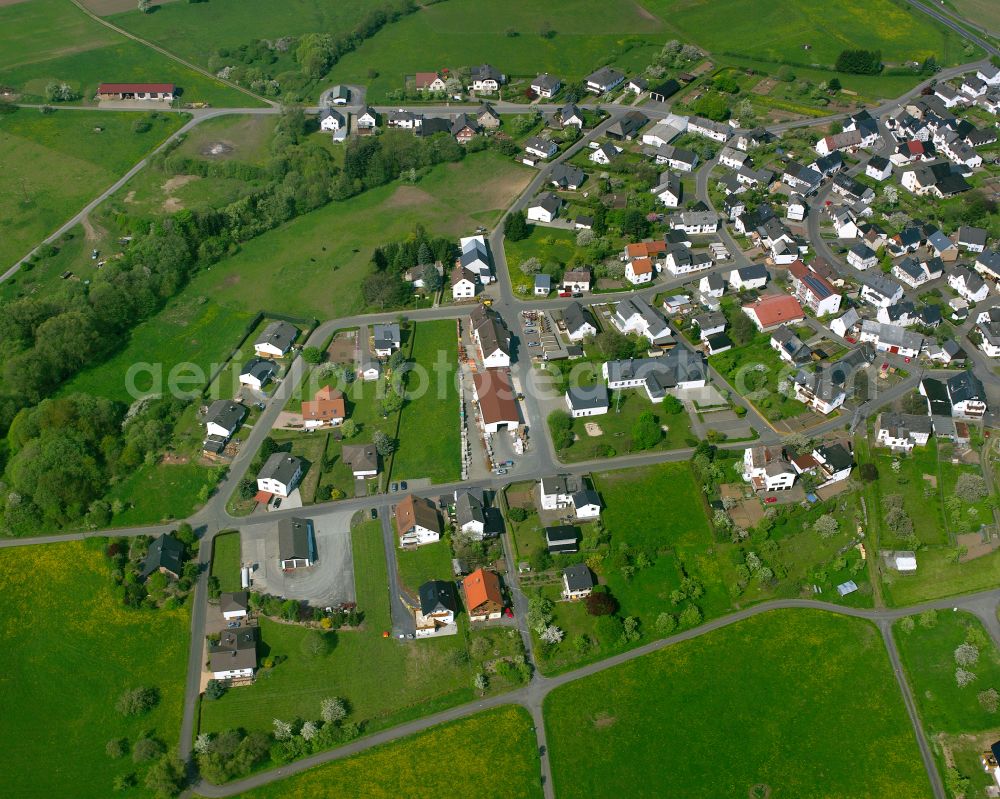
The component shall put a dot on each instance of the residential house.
(711, 287)
(437, 609)
(937, 180)
(893, 339)
(849, 140)
(637, 85)
(967, 395)
(717, 131)
(280, 474)
(234, 658)
(562, 538)
(543, 285)
(831, 463)
(569, 114)
(682, 260)
(405, 120)
(417, 521)
(487, 117)
(878, 168)
(486, 78)
(367, 120)
(825, 389)
(483, 598)
(628, 126)
(635, 315)
(913, 273)
(296, 543)
(669, 190)
(972, 239)
(709, 323)
(970, 285)
(747, 140)
(879, 290)
(576, 280)
(578, 582)
(797, 207)
(861, 256)
(988, 264)
(604, 154)
(579, 322)
(770, 312)
(361, 458)
(275, 340)
(565, 176)
(257, 373)
(604, 80)
(766, 469)
(790, 347)
(695, 222)
(802, 179)
(902, 314)
(464, 127)
(223, 418)
(852, 190)
(491, 336)
(943, 247)
(473, 517)
(496, 399)
(845, 325)
(748, 278)
(679, 158)
(325, 409)
(386, 338)
(988, 325)
(544, 208)
(557, 492)
(166, 556)
(234, 605)
(813, 290)
(546, 85)
(639, 271)
(475, 257)
(541, 148)
(429, 82)
(587, 504)
(733, 158)
(463, 283)
(331, 120)
(901, 432)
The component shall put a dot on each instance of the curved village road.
(949, 22)
(532, 696)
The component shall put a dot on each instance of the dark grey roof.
(576, 316)
(752, 272)
(226, 414)
(166, 552)
(437, 596)
(278, 334)
(666, 89)
(562, 538)
(606, 76)
(586, 497)
(937, 396)
(469, 508)
(589, 397)
(236, 650)
(546, 82)
(233, 600)
(972, 235)
(578, 577)
(295, 539)
(878, 162)
(567, 175)
(281, 467)
(837, 456)
(360, 457)
(965, 386)
(259, 368)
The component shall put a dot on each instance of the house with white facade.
(901, 432)
(766, 469)
(417, 521)
(280, 474)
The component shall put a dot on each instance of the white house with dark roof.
(878, 168)
(280, 474)
(257, 373)
(579, 322)
(901, 432)
(766, 469)
(587, 400)
(544, 208)
(604, 80)
(635, 315)
(275, 340)
(972, 239)
(969, 284)
(861, 256)
(557, 492)
(546, 85)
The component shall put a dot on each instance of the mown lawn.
(503, 764)
(177, 347)
(161, 492)
(617, 425)
(800, 701)
(891, 27)
(313, 265)
(429, 562)
(429, 436)
(71, 649)
(384, 681)
(909, 480)
(47, 40)
(755, 370)
(588, 34)
(226, 560)
(54, 164)
(938, 575)
(551, 246)
(928, 655)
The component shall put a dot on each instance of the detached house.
(766, 469)
(463, 283)
(483, 598)
(749, 277)
(491, 336)
(604, 154)
(540, 148)
(830, 463)
(968, 284)
(331, 120)
(579, 322)
(165, 555)
(325, 409)
(604, 80)
(280, 474)
(861, 256)
(222, 419)
(361, 458)
(878, 168)
(546, 85)
(486, 78)
(275, 340)
(544, 208)
(576, 280)
(967, 395)
(417, 522)
(717, 131)
(557, 492)
(635, 315)
(879, 290)
(234, 658)
(669, 190)
(438, 606)
(578, 582)
(771, 312)
(972, 239)
(900, 432)
(813, 291)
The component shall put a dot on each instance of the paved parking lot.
(329, 582)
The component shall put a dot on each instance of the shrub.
(147, 749)
(136, 701)
(600, 603)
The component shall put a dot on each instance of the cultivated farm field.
(71, 649)
(46, 40)
(503, 764)
(54, 164)
(799, 702)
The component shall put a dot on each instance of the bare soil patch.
(975, 546)
(408, 197)
(341, 349)
(932, 479)
(173, 459)
(217, 149)
(176, 182)
(765, 86)
(593, 429)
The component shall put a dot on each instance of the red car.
(770, 500)
(508, 613)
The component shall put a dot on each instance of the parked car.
(770, 500)
(534, 344)
(233, 625)
(276, 503)
(374, 513)
(508, 613)
(402, 485)
(394, 486)
(499, 470)
(507, 463)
